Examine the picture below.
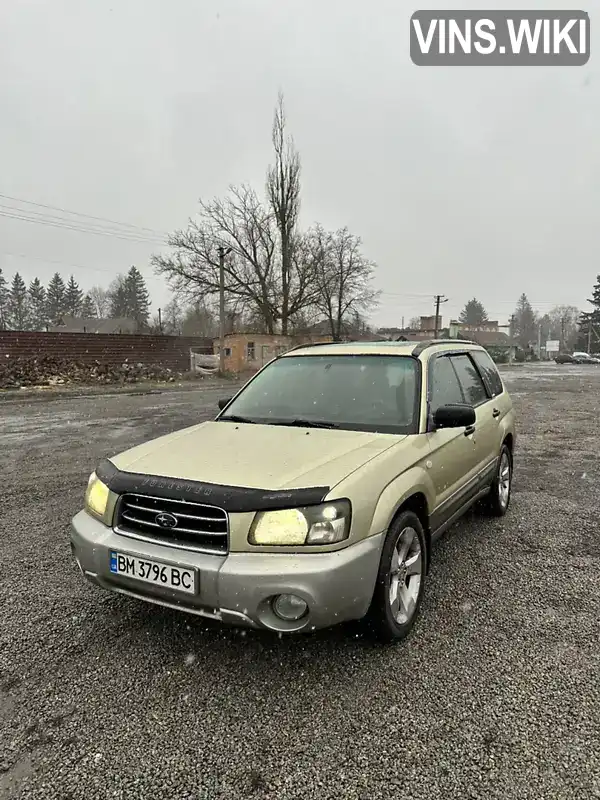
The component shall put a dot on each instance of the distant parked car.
(565, 358)
(585, 358)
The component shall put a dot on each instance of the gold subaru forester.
(316, 494)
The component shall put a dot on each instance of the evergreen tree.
(3, 303)
(589, 322)
(18, 305)
(525, 324)
(138, 298)
(73, 298)
(37, 305)
(55, 299)
(88, 309)
(473, 314)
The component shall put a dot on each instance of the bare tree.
(172, 317)
(101, 299)
(242, 224)
(199, 320)
(563, 325)
(414, 323)
(342, 276)
(270, 273)
(283, 190)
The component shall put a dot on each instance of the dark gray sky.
(465, 181)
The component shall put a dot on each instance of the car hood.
(256, 456)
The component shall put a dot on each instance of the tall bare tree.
(270, 273)
(342, 276)
(283, 189)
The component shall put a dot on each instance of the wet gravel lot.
(495, 695)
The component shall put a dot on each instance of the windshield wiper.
(305, 423)
(235, 418)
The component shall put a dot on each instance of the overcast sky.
(464, 181)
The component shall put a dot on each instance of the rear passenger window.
(445, 387)
(470, 380)
(489, 371)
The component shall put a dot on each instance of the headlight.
(325, 524)
(96, 496)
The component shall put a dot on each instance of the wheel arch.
(417, 503)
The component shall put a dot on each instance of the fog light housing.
(289, 607)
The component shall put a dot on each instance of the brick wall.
(168, 351)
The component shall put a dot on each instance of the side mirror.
(455, 415)
(223, 402)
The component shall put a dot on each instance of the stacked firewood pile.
(52, 371)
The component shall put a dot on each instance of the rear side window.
(470, 380)
(489, 372)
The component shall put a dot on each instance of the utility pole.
(159, 321)
(589, 336)
(511, 334)
(222, 253)
(439, 298)
(562, 333)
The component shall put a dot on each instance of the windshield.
(355, 392)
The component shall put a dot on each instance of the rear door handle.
(469, 430)
(496, 413)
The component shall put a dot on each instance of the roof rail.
(421, 346)
(309, 344)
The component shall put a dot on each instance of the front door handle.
(469, 430)
(496, 413)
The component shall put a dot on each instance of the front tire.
(497, 502)
(400, 579)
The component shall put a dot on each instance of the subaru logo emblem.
(166, 520)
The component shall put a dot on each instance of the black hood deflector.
(230, 498)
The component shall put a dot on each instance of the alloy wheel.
(504, 479)
(405, 575)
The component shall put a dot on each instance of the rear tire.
(496, 503)
(400, 579)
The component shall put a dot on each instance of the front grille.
(198, 526)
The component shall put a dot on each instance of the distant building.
(245, 352)
(425, 331)
(69, 324)
(488, 335)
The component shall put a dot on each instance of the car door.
(454, 461)
(478, 394)
(500, 403)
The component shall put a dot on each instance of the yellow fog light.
(96, 496)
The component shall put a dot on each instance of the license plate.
(155, 572)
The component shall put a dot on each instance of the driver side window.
(445, 387)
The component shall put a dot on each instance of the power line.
(98, 232)
(81, 214)
(91, 226)
(427, 298)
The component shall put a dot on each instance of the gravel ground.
(496, 694)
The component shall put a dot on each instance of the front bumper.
(238, 588)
